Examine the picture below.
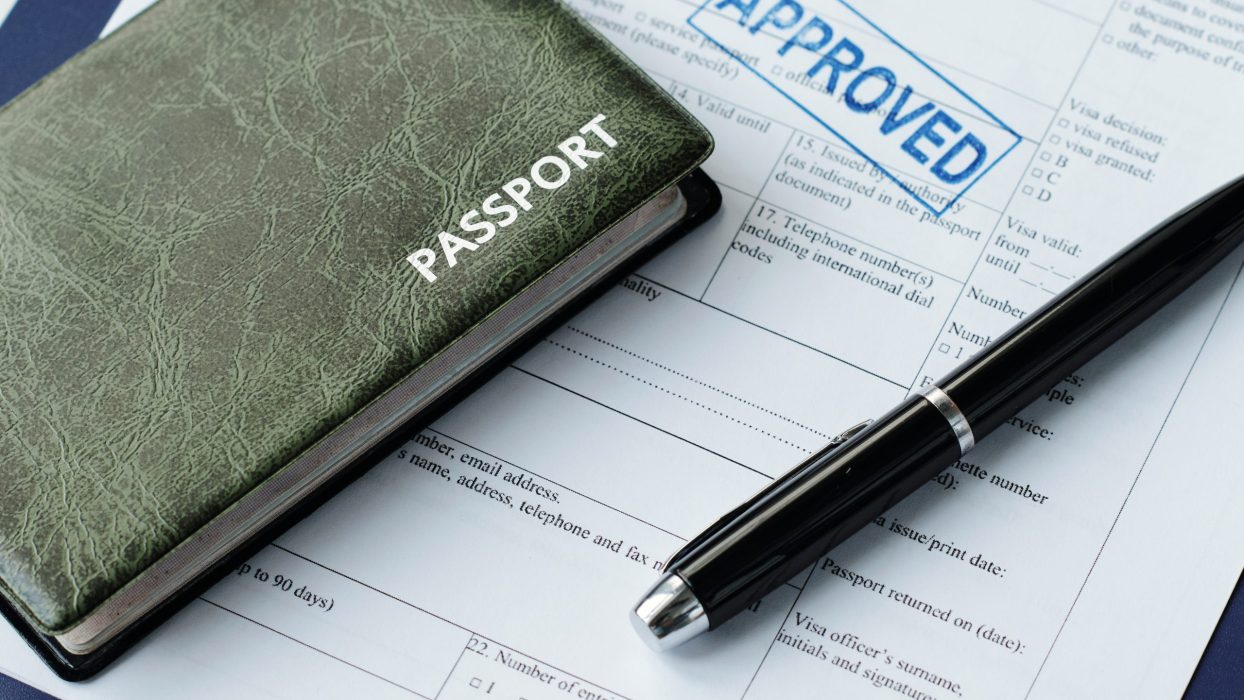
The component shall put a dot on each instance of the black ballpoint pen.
(790, 524)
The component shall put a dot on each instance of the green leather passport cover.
(204, 224)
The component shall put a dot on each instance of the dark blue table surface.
(39, 35)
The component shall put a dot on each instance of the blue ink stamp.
(866, 88)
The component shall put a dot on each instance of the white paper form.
(1084, 550)
(6, 6)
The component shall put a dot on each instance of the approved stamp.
(866, 88)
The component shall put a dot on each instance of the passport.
(250, 247)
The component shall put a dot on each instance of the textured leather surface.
(203, 225)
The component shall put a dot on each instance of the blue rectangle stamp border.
(838, 132)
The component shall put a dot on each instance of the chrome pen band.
(958, 422)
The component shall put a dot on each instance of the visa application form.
(1086, 549)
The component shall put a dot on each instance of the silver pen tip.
(669, 614)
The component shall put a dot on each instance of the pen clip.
(850, 433)
(729, 517)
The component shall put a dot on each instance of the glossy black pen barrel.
(792, 523)
(786, 527)
(1101, 307)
